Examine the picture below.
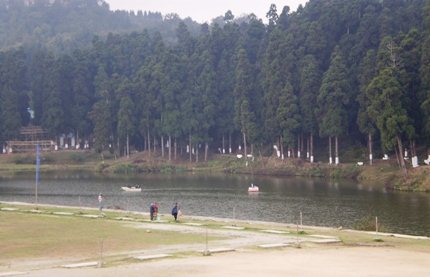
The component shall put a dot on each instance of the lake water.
(322, 202)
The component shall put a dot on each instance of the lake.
(322, 202)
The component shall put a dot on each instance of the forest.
(333, 78)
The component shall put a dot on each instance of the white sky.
(204, 10)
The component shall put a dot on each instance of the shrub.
(27, 159)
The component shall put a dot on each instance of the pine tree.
(332, 101)
(365, 122)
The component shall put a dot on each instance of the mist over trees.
(336, 80)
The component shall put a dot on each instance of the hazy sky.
(204, 10)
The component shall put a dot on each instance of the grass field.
(25, 235)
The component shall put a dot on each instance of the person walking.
(151, 211)
(175, 211)
(100, 198)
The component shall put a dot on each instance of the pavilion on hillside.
(29, 138)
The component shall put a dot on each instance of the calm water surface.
(322, 202)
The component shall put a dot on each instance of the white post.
(301, 219)
(376, 223)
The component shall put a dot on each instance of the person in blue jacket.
(175, 211)
(151, 211)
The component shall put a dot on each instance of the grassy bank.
(382, 172)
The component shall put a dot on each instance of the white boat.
(253, 188)
(132, 188)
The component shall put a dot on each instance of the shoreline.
(384, 172)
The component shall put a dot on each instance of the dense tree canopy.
(357, 70)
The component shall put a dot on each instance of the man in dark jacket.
(175, 211)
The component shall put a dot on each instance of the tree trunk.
(206, 151)
(162, 146)
(189, 143)
(402, 161)
(244, 144)
(169, 144)
(397, 157)
(77, 140)
(281, 147)
(330, 160)
(307, 147)
(302, 143)
(155, 145)
(370, 150)
(117, 146)
(149, 142)
(128, 146)
(336, 150)
(229, 144)
(298, 146)
(197, 153)
(223, 145)
(312, 148)
(176, 150)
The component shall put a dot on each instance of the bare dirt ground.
(325, 261)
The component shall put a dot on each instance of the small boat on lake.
(132, 188)
(253, 188)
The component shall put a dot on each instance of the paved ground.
(332, 261)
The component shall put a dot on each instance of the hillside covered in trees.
(333, 75)
(64, 25)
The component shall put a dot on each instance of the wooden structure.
(29, 137)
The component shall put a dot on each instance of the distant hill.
(61, 25)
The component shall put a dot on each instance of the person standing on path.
(101, 198)
(151, 211)
(175, 211)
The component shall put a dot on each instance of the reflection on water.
(322, 202)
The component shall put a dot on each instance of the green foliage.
(125, 169)
(65, 25)
(387, 108)
(101, 167)
(328, 68)
(349, 171)
(333, 98)
(24, 159)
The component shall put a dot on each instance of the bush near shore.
(385, 172)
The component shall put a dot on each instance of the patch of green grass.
(40, 235)
(124, 169)
(24, 159)
(345, 171)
